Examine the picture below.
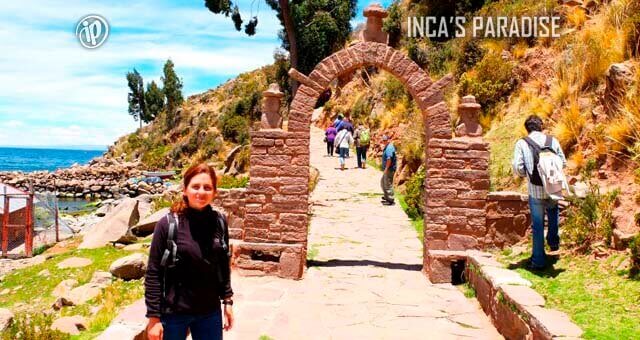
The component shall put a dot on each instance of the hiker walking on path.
(337, 121)
(362, 138)
(389, 169)
(526, 161)
(188, 273)
(329, 138)
(343, 141)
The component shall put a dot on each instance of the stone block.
(508, 322)
(473, 194)
(461, 242)
(501, 276)
(551, 324)
(522, 296)
(291, 265)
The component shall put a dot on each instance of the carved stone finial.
(271, 118)
(373, 29)
(468, 111)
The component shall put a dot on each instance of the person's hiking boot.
(385, 202)
(554, 248)
(534, 267)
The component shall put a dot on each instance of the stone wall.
(456, 220)
(457, 184)
(515, 309)
(508, 218)
(232, 202)
(101, 178)
(276, 205)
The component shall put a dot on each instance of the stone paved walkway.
(364, 281)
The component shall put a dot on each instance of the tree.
(154, 101)
(136, 96)
(172, 90)
(312, 29)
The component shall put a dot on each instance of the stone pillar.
(271, 118)
(373, 29)
(468, 111)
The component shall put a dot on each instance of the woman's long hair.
(182, 204)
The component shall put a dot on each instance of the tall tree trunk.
(291, 36)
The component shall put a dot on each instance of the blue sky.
(54, 92)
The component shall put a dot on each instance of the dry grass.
(570, 125)
(518, 51)
(576, 17)
(577, 160)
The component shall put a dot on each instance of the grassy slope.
(35, 290)
(598, 297)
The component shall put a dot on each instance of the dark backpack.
(169, 257)
(535, 151)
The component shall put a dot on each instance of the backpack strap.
(172, 248)
(223, 227)
(534, 178)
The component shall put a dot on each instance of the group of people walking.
(341, 135)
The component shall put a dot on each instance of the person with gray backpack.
(188, 274)
(539, 157)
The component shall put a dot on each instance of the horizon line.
(79, 147)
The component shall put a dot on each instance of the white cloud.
(46, 77)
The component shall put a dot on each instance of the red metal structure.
(17, 219)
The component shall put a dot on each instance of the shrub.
(415, 194)
(35, 326)
(211, 145)
(160, 202)
(362, 107)
(155, 157)
(590, 219)
(470, 55)
(634, 246)
(235, 128)
(393, 23)
(411, 146)
(394, 92)
(228, 182)
(490, 81)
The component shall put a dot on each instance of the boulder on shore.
(146, 225)
(130, 267)
(114, 227)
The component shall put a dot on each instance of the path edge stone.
(515, 309)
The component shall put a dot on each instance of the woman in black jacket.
(183, 291)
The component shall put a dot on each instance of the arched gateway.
(274, 236)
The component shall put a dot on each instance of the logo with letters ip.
(92, 31)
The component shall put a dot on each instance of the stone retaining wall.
(232, 201)
(456, 187)
(508, 218)
(515, 309)
(101, 178)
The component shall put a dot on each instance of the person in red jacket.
(183, 292)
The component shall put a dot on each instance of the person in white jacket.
(343, 140)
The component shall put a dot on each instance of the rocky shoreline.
(102, 178)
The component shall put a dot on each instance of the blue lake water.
(28, 160)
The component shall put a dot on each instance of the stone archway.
(274, 239)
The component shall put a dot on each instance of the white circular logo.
(92, 31)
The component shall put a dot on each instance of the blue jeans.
(538, 208)
(361, 154)
(203, 327)
(344, 152)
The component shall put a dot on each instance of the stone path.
(364, 281)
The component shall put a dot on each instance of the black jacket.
(201, 277)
